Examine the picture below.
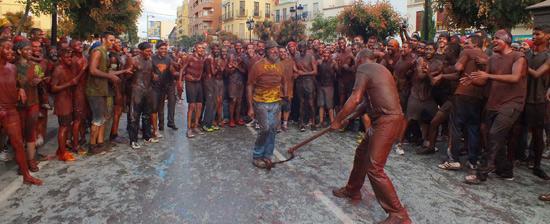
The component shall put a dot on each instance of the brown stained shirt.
(288, 70)
(536, 87)
(8, 83)
(345, 58)
(502, 93)
(403, 71)
(468, 59)
(421, 87)
(381, 91)
(267, 80)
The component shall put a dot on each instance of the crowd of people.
(486, 96)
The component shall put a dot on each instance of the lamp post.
(250, 26)
(297, 10)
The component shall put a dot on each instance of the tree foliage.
(289, 30)
(187, 42)
(369, 19)
(489, 14)
(264, 30)
(224, 35)
(324, 28)
(93, 16)
(15, 19)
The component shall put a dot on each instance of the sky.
(167, 10)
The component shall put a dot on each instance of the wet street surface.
(210, 179)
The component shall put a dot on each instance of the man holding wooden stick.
(376, 88)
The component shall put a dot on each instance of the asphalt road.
(210, 179)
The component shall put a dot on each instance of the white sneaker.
(39, 140)
(399, 149)
(152, 140)
(135, 145)
(4, 155)
(158, 135)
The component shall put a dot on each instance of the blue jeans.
(268, 117)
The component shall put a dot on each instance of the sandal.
(544, 197)
(268, 164)
(450, 165)
(472, 179)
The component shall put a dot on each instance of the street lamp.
(250, 26)
(297, 10)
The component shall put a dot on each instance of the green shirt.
(98, 86)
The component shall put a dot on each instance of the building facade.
(182, 20)
(43, 22)
(205, 16)
(235, 13)
(311, 9)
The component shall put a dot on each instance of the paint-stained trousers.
(140, 107)
(370, 159)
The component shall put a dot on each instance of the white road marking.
(332, 207)
(15, 184)
(278, 155)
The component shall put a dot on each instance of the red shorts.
(29, 119)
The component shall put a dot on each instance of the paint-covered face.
(283, 53)
(162, 51)
(117, 46)
(147, 53)
(273, 54)
(67, 58)
(406, 50)
(342, 44)
(77, 47)
(199, 49)
(109, 41)
(429, 51)
(25, 52)
(7, 52)
(36, 48)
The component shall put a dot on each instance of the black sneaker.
(173, 127)
(540, 173)
(425, 151)
(302, 128)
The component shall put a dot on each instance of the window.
(267, 10)
(284, 14)
(277, 16)
(242, 8)
(256, 8)
(315, 8)
(419, 16)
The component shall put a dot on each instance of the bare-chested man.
(10, 96)
(192, 71)
(221, 60)
(63, 82)
(28, 80)
(306, 71)
(346, 76)
(375, 82)
(81, 110)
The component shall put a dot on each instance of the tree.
(369, 19)
(489, 14)
(264, 30)
(289, 30)
(15, 19)
(187, 42)
(93, 17)
(324, 28)
(23, 19)
(224, 35)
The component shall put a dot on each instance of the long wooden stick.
(308, 140)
